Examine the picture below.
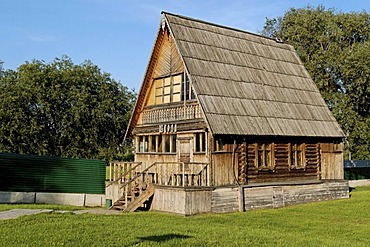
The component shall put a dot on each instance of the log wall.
(282, 171)
(322, 160)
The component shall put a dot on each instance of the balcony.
(171, 114)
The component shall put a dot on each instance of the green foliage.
(343, 222)
(335, 49)
(63, 109)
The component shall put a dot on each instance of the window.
(169, 89)
(167, 143)
(143, 143)
(264, 157)
(219, 145)
(200, 142)
(153, 144)
(186, 89)
(156, 144)
(297, 154)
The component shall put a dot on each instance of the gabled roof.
(248, 84)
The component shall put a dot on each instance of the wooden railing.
(180, 174)
(123, 171)
(182, 112)
(172, 173)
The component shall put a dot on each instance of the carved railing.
(182, 112)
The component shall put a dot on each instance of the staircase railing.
(122, 171)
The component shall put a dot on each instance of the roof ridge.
(223, 26)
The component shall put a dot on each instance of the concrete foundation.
(91, 200)
(358, 183)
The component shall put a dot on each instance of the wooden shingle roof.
(248, 84)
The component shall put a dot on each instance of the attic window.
(170, 89)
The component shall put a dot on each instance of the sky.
(118, 35)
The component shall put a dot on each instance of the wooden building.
(228, 120)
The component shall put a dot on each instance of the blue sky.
(118, 35)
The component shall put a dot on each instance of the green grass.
(333, 223)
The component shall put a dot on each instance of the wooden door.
(185, 149)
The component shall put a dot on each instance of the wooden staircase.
(135, 200)
(135, 189)
(133, 186)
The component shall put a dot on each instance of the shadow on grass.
(163, 238)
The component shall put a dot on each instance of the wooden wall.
(185, 201)
(282, 195)
(225, 200)
(190, 201)
(223, 169)
(149, 158)
(332, 161)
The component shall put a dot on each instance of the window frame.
(200, 142)
(297, 155)
(219, 145)
(267, 160)
(177, 90)
(156, 143)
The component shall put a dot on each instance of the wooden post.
(183, 174)
(208, 174)
(110, 171)
(172, 174)
(115, 171)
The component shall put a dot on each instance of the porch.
(131, 185)
(184, 189)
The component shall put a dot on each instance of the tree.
(63, 109)
(334, 47)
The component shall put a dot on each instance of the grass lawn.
(334, 223)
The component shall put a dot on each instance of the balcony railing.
(186, 112)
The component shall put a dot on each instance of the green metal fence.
(356, 169)
(30, 173)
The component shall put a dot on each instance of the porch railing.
(180, 174)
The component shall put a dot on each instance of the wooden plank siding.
(285, 194)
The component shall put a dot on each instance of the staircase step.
(119, 207)
(139, 201)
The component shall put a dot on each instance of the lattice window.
(169, 89)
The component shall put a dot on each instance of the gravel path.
(15, 213)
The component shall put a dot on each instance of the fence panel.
(31, 173)
(356, 169)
